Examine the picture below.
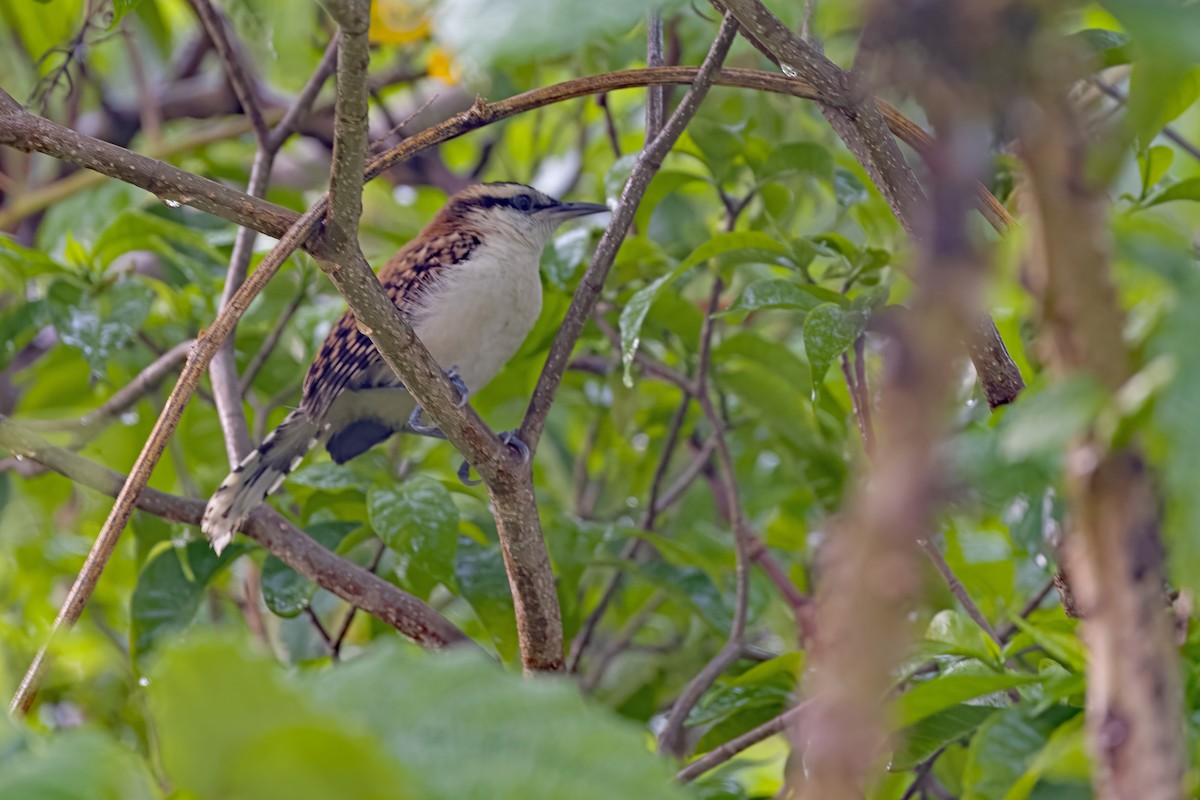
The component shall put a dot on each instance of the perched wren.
(468, 284)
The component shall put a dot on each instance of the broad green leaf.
(522, 31)
(1061, 645)
(774, 293)
(829, 330)
(945, 691)
(483, 582)
(848, 189)
(634, 314)
(100, 324)
(417, 518)
(962, 635)
(330, 477)
(285, 745)
(1004, 747)
(287, 592)
(74, 765)
(1184, 190)
(1043, 423)
(805, 158)
(20, 263)
(1063, 757)
(168, 591)
(121, 8)
(1109, 48)
(1154, 163)
(935, 732)
(469, 729)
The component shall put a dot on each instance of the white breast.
(483, 309)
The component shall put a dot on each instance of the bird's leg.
(511, 439)
(414, 424)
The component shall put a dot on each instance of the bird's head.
(512, 210)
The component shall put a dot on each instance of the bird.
(468, 284)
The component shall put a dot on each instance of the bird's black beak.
(565, 211)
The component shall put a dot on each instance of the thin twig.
(244, 85)
(656, 96)
(1167, 131)
(614, 648)
(349, 619)
(719, 755)
(272, 340)
(670, 739)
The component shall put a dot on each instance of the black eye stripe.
(507, 202)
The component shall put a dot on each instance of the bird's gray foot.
(511, 439)
(414, 420)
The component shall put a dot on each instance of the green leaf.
(287, 592)
(75, 765)
(829, 329)
(98, 325)
(848, 189)
(490, 34)
(469, 729)
(1064, 756)
(286, 745)
(944, 691)
(1061, 645)
(329, 477)
(1153, 164)
(964, 637)
(483, 582)
(1004, 748)
(417, 518)
(805, 158)
(1109, 48)
(774, 293)
(935, 732)
(167, 595)
(1043, 423)
(1184, 190)
(634, 314)
(121, 8)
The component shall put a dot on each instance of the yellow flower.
(442, 65)
(399, 21)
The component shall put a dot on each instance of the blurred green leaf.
(1043, 423)
(1184, 190)
(76, 765)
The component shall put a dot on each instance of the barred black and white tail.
(259, 474)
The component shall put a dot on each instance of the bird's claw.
(509, 438)
(414, 420)
(458, 383)
(416, 426)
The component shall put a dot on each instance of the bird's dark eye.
(522, 202)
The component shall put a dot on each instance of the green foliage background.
(179, 697)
